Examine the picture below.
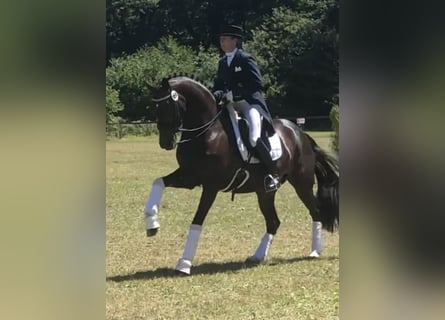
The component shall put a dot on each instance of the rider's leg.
(271, 181)
(253, 117)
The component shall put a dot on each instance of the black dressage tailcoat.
(243, 78)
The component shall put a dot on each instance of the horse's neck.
(200, 109)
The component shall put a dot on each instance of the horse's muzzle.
(167, 141)
(168, 147)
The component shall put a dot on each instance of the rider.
(239, 78)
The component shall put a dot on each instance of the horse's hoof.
(314, 254)
(181, 273)
(184, 266)
(152, 232)
(254, 260)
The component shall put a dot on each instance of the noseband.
(174, 97)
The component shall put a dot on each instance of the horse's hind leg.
(303, 185)
(176, 179)
(185, 262)
(267, 206)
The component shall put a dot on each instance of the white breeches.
(253, 117)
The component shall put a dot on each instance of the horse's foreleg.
(185, 262)
(177, 179)
(152, 207)
(267, 206)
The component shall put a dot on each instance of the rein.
(205, 127)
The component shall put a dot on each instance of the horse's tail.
(326, 168)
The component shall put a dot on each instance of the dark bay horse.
(208, 156)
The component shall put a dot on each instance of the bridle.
(173, 96)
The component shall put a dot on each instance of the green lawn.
(140, 280)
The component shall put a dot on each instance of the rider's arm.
(218, 84)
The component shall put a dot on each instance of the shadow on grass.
(211, 268)
(278, 261)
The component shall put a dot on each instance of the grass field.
(141, 283)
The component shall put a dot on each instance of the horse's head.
(173, 99)
(170, 106)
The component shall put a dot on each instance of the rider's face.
(227, 43)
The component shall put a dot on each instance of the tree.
(132, 24)
(335, 120)
(112, 106)
(294, 41)
(297, 51)
(131, 74)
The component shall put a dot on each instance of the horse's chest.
(212, 154)
(193, 156)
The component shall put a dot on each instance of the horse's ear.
(165, 83)
(151, 87)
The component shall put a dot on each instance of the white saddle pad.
(274, 140)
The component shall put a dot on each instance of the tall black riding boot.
(271, 181)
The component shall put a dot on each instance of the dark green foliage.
(297, 52)
(138, 129)
(128, 25)
(132, 24)
(294, 41)
(335, 120)
(122, 130)
(131, 75)
(113, 106)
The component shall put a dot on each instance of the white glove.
(229, 96)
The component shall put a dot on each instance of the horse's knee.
(272, 226)
(277, 225)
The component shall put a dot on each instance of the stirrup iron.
(271, 183)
